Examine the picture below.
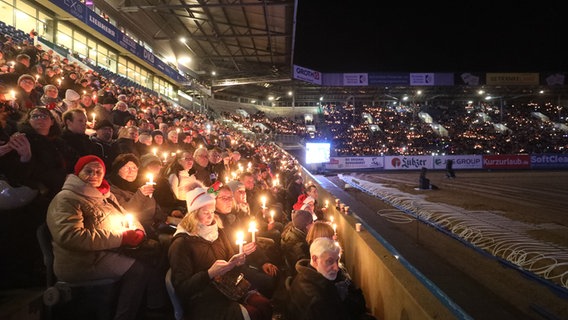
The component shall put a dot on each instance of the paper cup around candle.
(358, 227)
(346, 208)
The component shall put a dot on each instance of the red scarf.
(104, 188)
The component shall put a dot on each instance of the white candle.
(263, 199)
(326, 203)
(331, 219)
(155, 151)
(129, 221)
(165, 155)
(240, 237)
(94, 116)
(272, 215)
(334, 228)
(252, 229)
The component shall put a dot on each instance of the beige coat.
(87, 228)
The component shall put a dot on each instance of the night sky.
(463, 36)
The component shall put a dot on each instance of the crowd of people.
(428, 129)
(131, 186)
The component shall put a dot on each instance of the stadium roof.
(250, 45)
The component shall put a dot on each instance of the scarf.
(209, 233)
(122, 184)
(104, 188)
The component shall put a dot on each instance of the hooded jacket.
(86, 227)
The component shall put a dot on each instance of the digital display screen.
(317, 152)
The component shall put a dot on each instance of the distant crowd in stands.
(401, 131)
(130, 187)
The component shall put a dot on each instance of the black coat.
(79, 142)
(52, 160)
(190, 257)
(313, 297)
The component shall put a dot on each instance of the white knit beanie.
(198, 198)
(71, 95)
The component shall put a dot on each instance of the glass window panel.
(25, 8)
(6, 13)
(64, 40)
(122, 69)
(65, 28)
(24, 21)
(80, 48)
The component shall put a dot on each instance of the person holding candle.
(86, 223)
(163, 194)
(178, 174)
(136, 199)
(134, 195)
(259, 268)
(200, 251)
(319, 211)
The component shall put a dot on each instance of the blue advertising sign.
(101, 26)
(388, 79)
(81, 12)
(74, 7)
(127, 43)
(549, 161)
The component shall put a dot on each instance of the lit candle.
(263, 200)
(249, 165)
(155, 151)
(94, 116)
(334, 228)
(150, 178)
(252, 229)
(84, 92)
(129, 221)
(37, 77)
(272, 215)
(12, 95)
(326, 203)
(165, 155)
(331, 219)
(240, 237)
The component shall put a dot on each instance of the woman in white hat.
(199, 252)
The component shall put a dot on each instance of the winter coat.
(80, 142)
(87, 228)
(313, 297)
(190, 257)
(294, 246)
(52, 160)
(144, 208)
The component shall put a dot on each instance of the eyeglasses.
(37, 116)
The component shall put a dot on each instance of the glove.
(132, 238)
